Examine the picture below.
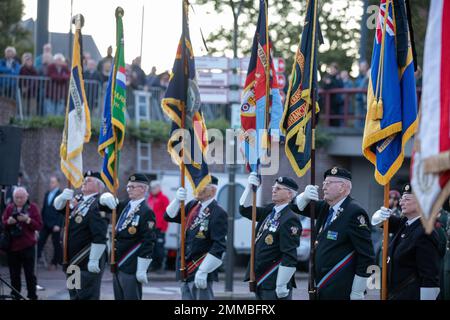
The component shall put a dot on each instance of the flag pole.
(78, 21)
(119, 14)
(311, 282)
(265, 136)
(182, 165)
(384, 291)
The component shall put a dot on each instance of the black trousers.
(158, 250)
(56, 241)
(16, 260)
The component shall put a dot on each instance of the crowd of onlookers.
(50, 96)
(56, 67)
(354, 103)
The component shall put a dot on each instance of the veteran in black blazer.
(205, 240)
(135, 239)
(414, 257)
(277, 238)
(343, 245)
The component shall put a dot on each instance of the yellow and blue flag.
(77, 127)
(182, 105)
(112, 131)
(391, 117)
(296, 121)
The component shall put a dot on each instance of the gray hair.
(155, 183)
(59, 56)
(11, 49)
(20, 189)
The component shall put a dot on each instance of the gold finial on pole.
(119, 12)
(78, 21)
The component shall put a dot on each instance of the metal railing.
(345, 107)
(42, 96)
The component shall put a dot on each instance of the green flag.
(112, 132)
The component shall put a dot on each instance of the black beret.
(338, 172)
(407, 188)
(93, 174)
(287, 182)
(139, 177)
(214, 180)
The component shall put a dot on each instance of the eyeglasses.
(276, 188)
(330, 182)
(133, 187)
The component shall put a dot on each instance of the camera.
(15, 230)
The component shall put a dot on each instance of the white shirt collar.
(411, 221)
(206, 203)
(338, 205)
(280, 207)
(135, 203)
(89, 196)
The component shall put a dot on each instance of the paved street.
(162, 286)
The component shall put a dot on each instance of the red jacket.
(28, 237)
(159, 204)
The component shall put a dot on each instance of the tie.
(265, 224)
(123, 216)
(330, 216)
(193, 214)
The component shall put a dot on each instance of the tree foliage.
(12, 33)
(340, 22)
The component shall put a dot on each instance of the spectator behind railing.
(93, 83)
(152, 79)
(106, 69)
(9, 66)
(28, 86)
(56, 94)
(361, 81)
(331, 80)
(109, 58)
(137, 75)
(46, 50)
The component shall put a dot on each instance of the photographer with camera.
(21, 220)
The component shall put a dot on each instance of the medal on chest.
(132, 230)
(202, 220)
(78, 219)
(269, 240)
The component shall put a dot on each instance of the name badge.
(332, 235)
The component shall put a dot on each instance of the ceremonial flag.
(431, 158)
(77, 127)
(391, 95)
(259, 123)
(182, 105)
(112, 131)
(296, 121)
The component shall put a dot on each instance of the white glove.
(283, 277)
(94, 256)
(181, 194)
(107, 199)
(311, 193)
(381, 215)
(209, 264)
(60, 201)
(429, 293)
(358, 288)
(246, 199)
(141, 272)
(253, 179)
